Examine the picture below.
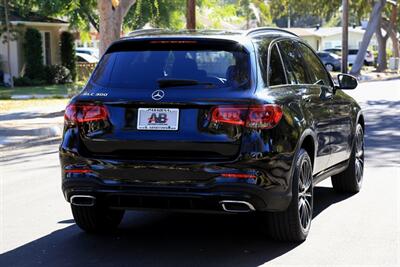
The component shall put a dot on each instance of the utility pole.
(345, 34)
(288, 17)
(191, 14)
(11, 80)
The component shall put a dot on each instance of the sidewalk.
(30, 126)
(372, 76)
(36, 96)
(378, 76)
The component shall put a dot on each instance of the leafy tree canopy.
(171, 13)
(82, 14)
(322, 11)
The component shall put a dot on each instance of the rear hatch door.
(160, 96)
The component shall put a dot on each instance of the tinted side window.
(276, 69)
(318, 74)
(101, 75)
(262, 51)
(294, 62)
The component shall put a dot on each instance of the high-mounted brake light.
(79, 113)
(253, 116)
(173, 42)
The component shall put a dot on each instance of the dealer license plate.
(158, 119)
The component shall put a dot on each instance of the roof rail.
(217, 31)
(267, 29)
(143, 31)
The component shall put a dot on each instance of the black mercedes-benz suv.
(210, 121)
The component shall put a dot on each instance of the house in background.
(49, 28)
(331, 37)
(92, 41)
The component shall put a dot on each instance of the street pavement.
(37, 229)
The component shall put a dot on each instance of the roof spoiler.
(267, 29)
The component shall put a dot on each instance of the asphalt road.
(37, 229)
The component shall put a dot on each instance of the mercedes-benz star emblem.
(157, 94)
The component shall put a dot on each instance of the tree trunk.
(382, 41)
(191, 14)
(382, 55)
(7, 22)
(395, 41)
(111, 16)
(393, 32)
(345, 35)
(372, 24)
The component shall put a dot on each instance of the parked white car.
(369, 59)
(81, 57)
(87, 50)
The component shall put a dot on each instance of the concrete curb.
(52, 131)
(365, 79)
(25, 97)
(39, 141)
(34, 137)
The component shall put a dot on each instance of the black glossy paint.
(182, 170)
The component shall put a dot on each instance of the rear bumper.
(164, 198)
(184, 186)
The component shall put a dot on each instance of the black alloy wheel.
(350, 180)
(294, 224)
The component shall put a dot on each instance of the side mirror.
(347, 82)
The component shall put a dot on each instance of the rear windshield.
(142, 66)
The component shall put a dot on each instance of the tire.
(329, 67)
(350, 180)
(96, 219)
(294, 224)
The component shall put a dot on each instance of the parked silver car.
(331, 61)
(369, 59)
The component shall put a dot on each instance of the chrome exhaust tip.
(236, 206)
(83, 200)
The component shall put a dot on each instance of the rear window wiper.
(163, 83)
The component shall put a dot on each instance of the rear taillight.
(253, 116)
(231, 115)
(239, 175)
(79, 113)
(77, 171)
